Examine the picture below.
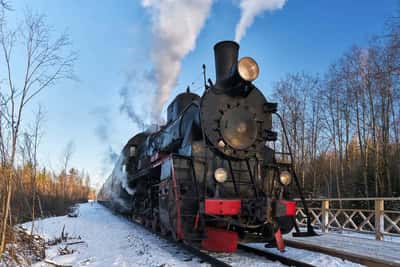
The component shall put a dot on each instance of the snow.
(240, 258)
(104, 239)
(313, 258)
(351, 233)
(108, 240)
(389, 238)
(379, 250)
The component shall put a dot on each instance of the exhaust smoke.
(252, 8)
(175, 27)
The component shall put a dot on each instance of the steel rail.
(274, 257)
(364, 260)
(203, 256)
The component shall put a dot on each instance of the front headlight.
(285, 177)
(220, 175)
(248, 69)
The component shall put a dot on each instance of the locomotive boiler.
(210, 176)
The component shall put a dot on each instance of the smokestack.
(226, 57)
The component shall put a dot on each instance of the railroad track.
(361, 259)
(274, 257)
(214, 261)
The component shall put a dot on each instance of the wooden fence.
(379, 216)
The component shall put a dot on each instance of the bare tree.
(355, 145)
(67, 154)
(66, 157)
(295, 91)
(29, 148)
(46, 60)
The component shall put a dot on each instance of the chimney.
(226, 57)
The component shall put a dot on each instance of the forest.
(344, 124)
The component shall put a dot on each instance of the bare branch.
(5, 5)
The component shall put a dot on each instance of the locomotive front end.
(246, 187)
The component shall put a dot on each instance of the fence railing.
(381, 216)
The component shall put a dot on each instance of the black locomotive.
(210, 176)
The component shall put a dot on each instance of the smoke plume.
(252, 8)
(103, 131)
(175, 27)
(128, 108)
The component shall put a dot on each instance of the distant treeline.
(41, 193)
(344, 125)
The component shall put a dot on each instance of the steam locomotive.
(210, 176)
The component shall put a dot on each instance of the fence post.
(324, 215)
(379, 219)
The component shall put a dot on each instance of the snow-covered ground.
(97, 237)
(105, 239)
(365, 235)
(313, 258)
(108, 240)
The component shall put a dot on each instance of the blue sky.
(113, 40)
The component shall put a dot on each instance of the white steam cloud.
(175, 27)
(252, 8)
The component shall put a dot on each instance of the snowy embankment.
(97, 237)
(103, 239)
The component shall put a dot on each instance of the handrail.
(376, 221)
